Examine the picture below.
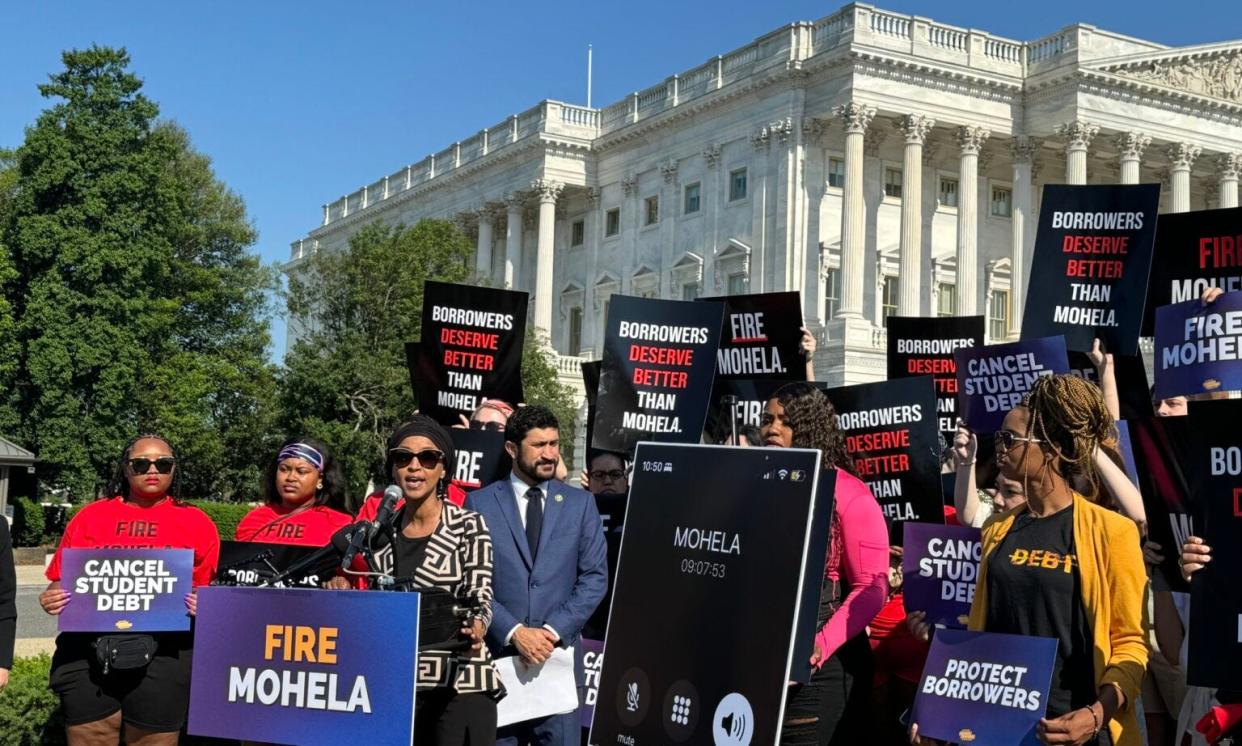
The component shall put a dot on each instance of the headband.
(304, 452)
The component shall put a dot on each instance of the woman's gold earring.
(320, 485)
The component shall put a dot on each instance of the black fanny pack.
(125, 652)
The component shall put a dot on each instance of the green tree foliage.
(136, 303)
(345, 379)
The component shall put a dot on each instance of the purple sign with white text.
(992, 380)
(1199, 347)
(939, 566)
(126, 590)
(304, 666)
(984, 688)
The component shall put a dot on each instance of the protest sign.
(659, 361)
(592, 664)
(1133, 391)
(984, 687)
(254, 563)
(992, 380)
(890, 431)
(1092, 257)
(750, 396)
(590, 382)
(304, 666)
(471, 348)
(741, 566)
(1194, 251)
(925, 346)
(761, 337)
(131, 590)
(939, 567)
(1199, 347)
(481, 457)
(1215, 476)
(1160, 448)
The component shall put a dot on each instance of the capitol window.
(947, 195)
(946, 299)
(690, 291)
(836, 173)
(998, 315)
(575, 331)
(832, 292)
(737, 184)
(577, 234)
(737, 283)
(651, 210)
(892, 183)
(1002, 202)
(612, 222)
(888, 303)
(690, 202)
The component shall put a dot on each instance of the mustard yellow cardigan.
(1112, 575)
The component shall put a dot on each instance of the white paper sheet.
(537, 691)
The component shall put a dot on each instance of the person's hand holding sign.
(1195, 554)
(474, 632)
(191, 602)
(54, 599)
(807, 346)
(1073, 728)
(916, 622)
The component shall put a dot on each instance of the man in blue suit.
(550, 566)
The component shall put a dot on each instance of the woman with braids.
(1061, 566)
(143, 510)
(303, 498)
(855, 584)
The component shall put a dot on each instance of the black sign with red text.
(761, 337)
(1159, 446)
(1215, 472)
(890, 430)
(471, 349)
(1092, 258)
(1194, 251)
(749, 397)
(656, 379)
(924, 347)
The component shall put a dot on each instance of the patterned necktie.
(534, 519)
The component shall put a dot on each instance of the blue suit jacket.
(568, 580)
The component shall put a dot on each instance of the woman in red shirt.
(145, 512)
(303, 498)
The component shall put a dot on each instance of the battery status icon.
(797, 475)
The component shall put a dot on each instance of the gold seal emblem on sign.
(124, 624)
(965, 735)
(1211, 384)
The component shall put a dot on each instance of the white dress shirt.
(520, 488)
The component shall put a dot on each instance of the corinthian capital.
(629, 183)
(546, 191)
(915, 127)
(515, 201)
(855, 116)
(1228, 166)
(1078, 135)
(970, 139)
(1182, 155)
(592, 197)
(1130, 145)
(1023, 148)
(711, 155)
(669, 170)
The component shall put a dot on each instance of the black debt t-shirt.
(1034, 589)
(409, 554)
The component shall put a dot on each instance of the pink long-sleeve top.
(859, 551)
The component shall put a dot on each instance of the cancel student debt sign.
(659, 360)
(1092, 258)
(471, 349)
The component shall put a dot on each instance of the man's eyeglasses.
(163, 465)
(1006, 439)
(491, 427)
(428, 458)
(613, 475)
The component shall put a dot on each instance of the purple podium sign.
(304, 666)
(939, 567)
(130, 590)
(984, 688)
(1199, 347)
(992, 380)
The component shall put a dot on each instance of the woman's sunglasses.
(491, 427)
(163, 464)
(401, 457)
(1006, 439)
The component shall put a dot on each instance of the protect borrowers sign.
(659, 360)
(1091, 263)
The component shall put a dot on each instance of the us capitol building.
(878, 163)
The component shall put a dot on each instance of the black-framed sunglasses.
(491, 427)
(613, 475)
(1006, 439)
(427, 458)
(163, 465)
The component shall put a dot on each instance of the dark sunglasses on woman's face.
(493, 427)
(163, 464)
(401, 457)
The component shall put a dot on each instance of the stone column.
(856, 117)
(1227, 167)
(970, 141)
(1023, 150)
(1078, 136)
(514, 204)
(1130, 147)
(915, 128)
(547, 192)
(592, 230)
(1182, 156)
(487, 233)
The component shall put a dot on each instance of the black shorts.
(155, 698)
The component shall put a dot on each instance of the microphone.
(360, 538)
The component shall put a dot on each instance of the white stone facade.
(862, 159)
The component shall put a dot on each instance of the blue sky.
(298, 103)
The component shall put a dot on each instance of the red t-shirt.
(896, 651)
(370, 506)
(116, 523)
(275, 524)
